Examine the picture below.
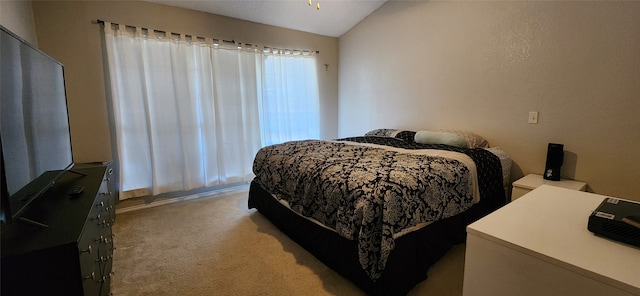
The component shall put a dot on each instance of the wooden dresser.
(73, 255)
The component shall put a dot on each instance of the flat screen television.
(35, 142)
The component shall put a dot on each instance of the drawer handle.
(101, 204)
(91, 277)
(103, 239)
(104, 278)
(106, 223)
(104, 259)
(88, 250)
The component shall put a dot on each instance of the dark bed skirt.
(407, 265)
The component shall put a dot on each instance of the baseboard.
(156, 203)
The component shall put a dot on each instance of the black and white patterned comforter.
(372, 189)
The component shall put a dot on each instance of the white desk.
(539, 245)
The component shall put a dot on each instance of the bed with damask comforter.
(377, 209)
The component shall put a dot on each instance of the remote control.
(77, 190)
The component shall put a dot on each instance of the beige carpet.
(217, 246)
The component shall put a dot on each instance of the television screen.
(34, 125)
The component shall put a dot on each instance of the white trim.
(219, 192)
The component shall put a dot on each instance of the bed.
(379, 209)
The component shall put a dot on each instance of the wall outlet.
(533, 117)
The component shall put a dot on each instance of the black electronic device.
(35, 142)
(617, 219)
(555, 158)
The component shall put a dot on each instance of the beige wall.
(17, 17)
(66, 31)
(482, 66)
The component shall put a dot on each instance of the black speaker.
(555, 157)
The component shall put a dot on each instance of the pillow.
(473, 140)
(381, 132)
(505, 162)
(438, 137)
(392, 133)
(408, 136)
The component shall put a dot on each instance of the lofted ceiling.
(334, 18)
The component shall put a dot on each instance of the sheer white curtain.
(290, 103)
(186, 113)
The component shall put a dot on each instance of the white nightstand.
(532, 181)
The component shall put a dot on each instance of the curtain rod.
(99, 21)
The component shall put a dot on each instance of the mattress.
(374, 190)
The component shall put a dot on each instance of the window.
(190, 114)
(289, 107)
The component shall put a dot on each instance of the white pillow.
(473, 140)
(434, 137)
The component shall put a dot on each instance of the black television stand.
(70, 252)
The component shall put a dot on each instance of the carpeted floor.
(217, 246)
